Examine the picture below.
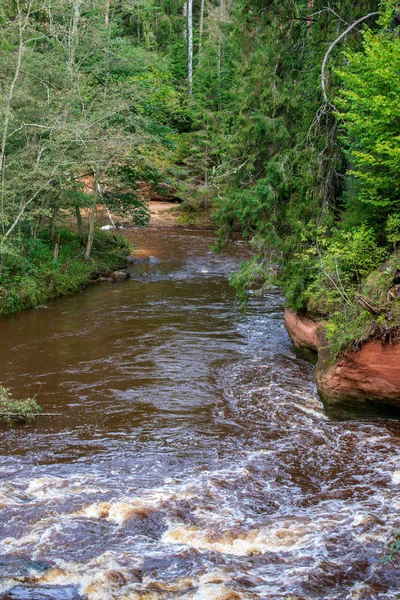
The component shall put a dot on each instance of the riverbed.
(184, 452)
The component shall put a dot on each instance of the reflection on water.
(187, 455)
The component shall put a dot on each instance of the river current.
(184, 453)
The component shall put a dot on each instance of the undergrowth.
(30, 275)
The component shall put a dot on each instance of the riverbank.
(35, 276)
(166, 214)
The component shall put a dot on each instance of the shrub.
(12, 411)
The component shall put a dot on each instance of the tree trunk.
(222, 11)
(220, 49)
(10, 96)
(201, 26)
(310, 7)
(53, 223)
(184, 12)
(79, 222)
(190, 45)
(107, 15)
(92, 217)
(57, 248)
(73, 38)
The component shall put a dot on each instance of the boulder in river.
(117, 276)
(362, 379)
(370, 375)
(302, 331)
(153, 260)
(134, 260)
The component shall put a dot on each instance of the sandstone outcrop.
(370, 375)
(364, 378)
(302, 331)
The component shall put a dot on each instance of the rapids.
(186, 454)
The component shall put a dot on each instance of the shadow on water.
(187, 455)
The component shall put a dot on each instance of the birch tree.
(201, 26)
(190, 44)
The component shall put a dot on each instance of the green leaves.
(369, 110)
(14, 411)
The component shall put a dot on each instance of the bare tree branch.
(331, 47)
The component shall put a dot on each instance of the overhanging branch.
(331, 47)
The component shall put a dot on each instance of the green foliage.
(387, 9)
(252, 275)
(12, 411)
(393, 229)
(347, 328)
(32, 276)
(393, 549)
(369, 109)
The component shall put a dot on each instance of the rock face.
(371, 374)
(368, 377)
(302, 331)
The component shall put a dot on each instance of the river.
(185, 453)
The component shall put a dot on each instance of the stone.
(134, 260)
(117, 276)
(302, 331)
(368, 375)
(153, 260)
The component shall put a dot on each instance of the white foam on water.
(313, 412)
(280, 539)
(121, 510)
(396, 477)
(50, 488)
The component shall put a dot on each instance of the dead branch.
(331, 47)
(367, 305)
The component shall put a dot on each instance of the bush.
(12, 411)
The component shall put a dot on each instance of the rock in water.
(133, 260)
(153, 260)
(117, 276)
(364, 379)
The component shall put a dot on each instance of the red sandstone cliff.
(302, 331)
(370, 375)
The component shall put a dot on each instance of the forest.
(281, 118)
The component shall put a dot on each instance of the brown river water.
(187, 454)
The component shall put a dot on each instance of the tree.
(369, 111)
(107, 107)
